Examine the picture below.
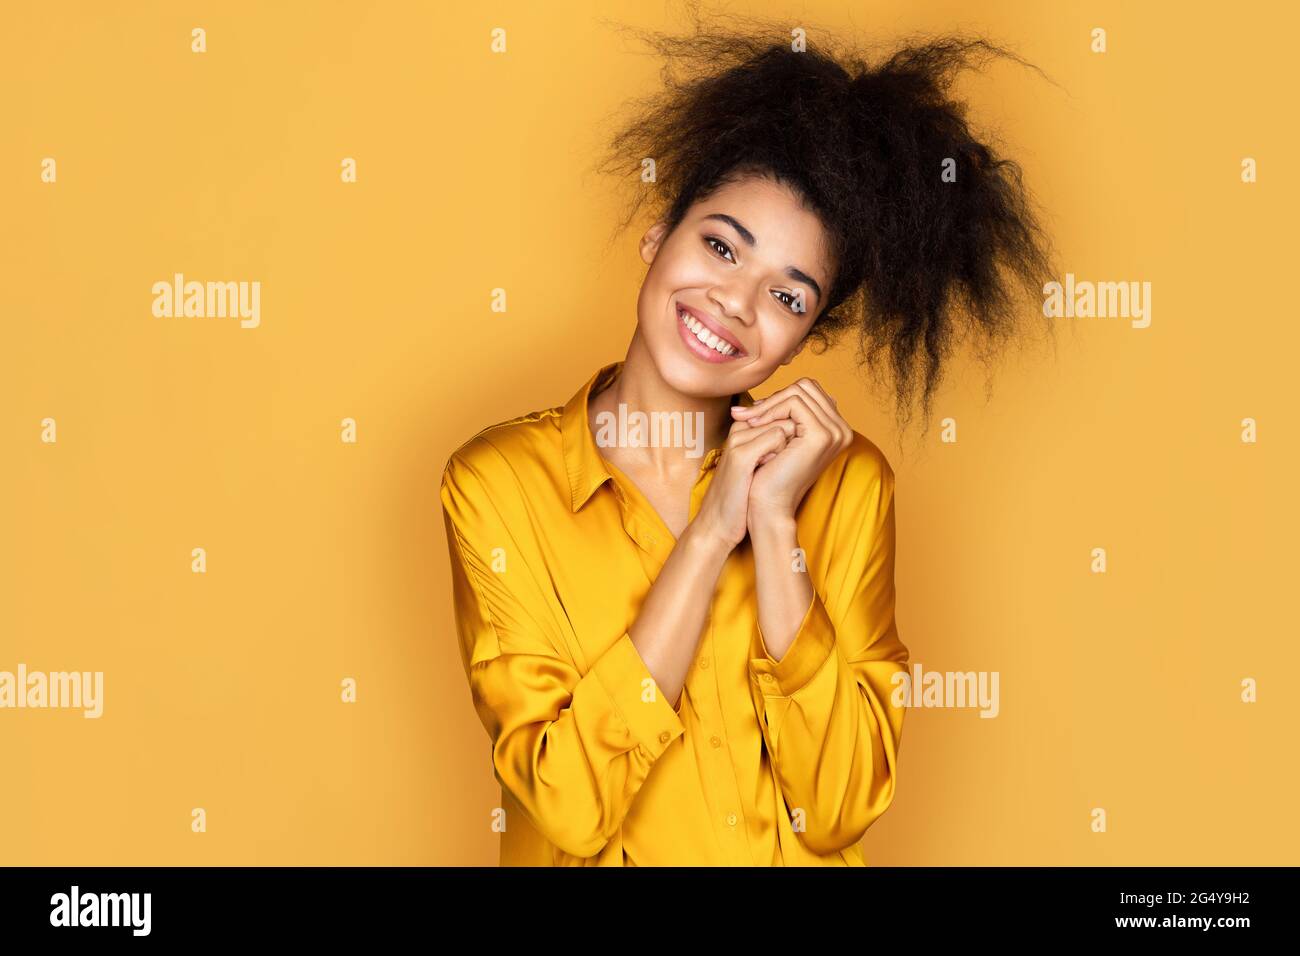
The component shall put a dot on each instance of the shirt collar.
(582, 459)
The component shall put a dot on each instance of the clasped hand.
(774, 452)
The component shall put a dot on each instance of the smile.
(704, 341)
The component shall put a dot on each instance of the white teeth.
(701, 332)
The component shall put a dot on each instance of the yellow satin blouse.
(763, 762)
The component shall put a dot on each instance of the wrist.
(707, 544)
(769, 524)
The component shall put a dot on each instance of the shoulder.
(864, 465)
(511, 449)
(857, 486)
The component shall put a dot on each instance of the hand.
(724, 510)
(784, 476)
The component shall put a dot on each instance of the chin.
(683, 374)
(689, 376)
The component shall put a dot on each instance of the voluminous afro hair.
(918, 259)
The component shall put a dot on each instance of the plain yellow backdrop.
(326, 560)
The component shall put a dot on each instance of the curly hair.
(919, 258)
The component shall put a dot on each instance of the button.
(731, 819)
(663, 738)
(704, 663)
(715, 740)
(769, 678)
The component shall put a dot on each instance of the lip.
(713, 326)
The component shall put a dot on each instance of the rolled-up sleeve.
(826, 708)
(572, 748)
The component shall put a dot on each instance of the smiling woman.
(686, 662)
(742, 276)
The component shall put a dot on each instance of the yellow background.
(327, 560)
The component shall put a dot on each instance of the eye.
(792, 303)
(710, 240)
(714, 243)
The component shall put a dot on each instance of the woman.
(689, 659)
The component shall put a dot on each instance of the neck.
(640, 388)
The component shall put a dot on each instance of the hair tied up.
(921, 250)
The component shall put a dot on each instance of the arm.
(679, 602)
(821, 669)
(678, 605)
(573, 749)
(783, 593)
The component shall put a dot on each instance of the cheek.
(664, 287)
(683, 266)
(779, 335)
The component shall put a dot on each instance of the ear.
(651, 241)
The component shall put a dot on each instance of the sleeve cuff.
(812, 644)
(623, 675)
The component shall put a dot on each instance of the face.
(746, 269)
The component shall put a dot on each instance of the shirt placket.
(706, 731)
(712, 748)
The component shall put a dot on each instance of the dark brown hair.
(917, 259)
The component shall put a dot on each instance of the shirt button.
(715, 740)
(768, 677)
(663, 738)
(731, 819)
(704, 663)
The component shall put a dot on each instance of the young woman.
(689, 659)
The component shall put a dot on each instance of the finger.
(805, 412)
(747, 448)
(749, 434)
(763, 403)
(818, 400)
(841, 429)
(768, 443)
(837, 430)
(813, 390)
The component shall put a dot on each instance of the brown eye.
(710, 240)
(794, 301)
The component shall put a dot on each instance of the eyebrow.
(797, 274)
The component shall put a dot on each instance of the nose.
(732, 302)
